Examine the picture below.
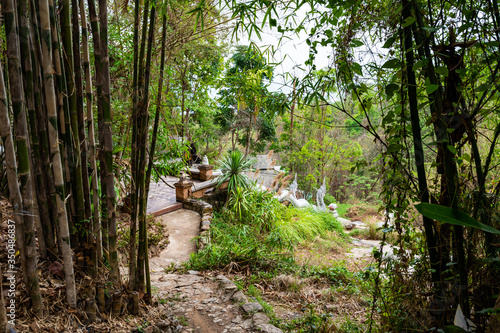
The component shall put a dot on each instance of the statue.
(320, 197)
(293, 188)
(205, 160)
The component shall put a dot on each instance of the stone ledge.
(206, 211)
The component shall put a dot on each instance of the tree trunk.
(25, 231)
(94, 22)
(27, 67)
(152, 150)
(45, 181)
(96, 220)
(108, 145)
(447, 164)
(133, 154)
(139, 274)
(50, 100)
(65, 135)
(419, 153)
(80, 115)
(76, 166)
(143, 198)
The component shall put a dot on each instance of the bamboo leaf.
(408, 21)
(483, 87)
(452, 216)
(429, 87)
(442, 70)
(388, 43)
(390, 89)
(392, 63)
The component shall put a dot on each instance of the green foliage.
(310, 322)
(233, 166)
(172, 157)
(246, 106)
(258, 231)
(452, 216)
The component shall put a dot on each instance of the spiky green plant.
(233, 166)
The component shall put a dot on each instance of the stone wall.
(206, 212)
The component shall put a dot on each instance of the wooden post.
(183, 188)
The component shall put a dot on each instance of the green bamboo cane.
(94, 23)
(133, 155)
(108, 145)
(143, 199)
(76, 166)
(96, 221)
(65, 133)
(77, 62)
(27, 70)
(139, 276)
(51, 103)
(24, 231)
(47, 179)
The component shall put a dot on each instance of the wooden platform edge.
(165, 210)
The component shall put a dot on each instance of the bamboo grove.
(56, 125)
(54, 139)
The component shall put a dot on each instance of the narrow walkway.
(183, 225)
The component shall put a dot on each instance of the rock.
(221, 277)
(268, 328)
(251, 306)
(163, 326)
(193, 272)
(246, 324)
(345, 223)
(239, 297)
(260, 318)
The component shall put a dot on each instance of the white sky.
(290, 56)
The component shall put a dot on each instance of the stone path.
(363, 249)
(183, 225)
(208, 305)
(194, 303)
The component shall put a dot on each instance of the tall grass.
(256, 230)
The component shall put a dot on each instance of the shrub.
(233, 166)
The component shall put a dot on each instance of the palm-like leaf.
(233, 166)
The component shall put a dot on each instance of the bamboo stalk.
(27, 68)
(80, 114)
(46, 181)
(133, 156)
(139, 275)
(96, 221)
(76, 165)
(25, 232)
(50, 100)
(108, 145)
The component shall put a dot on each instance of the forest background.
(97, 112)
